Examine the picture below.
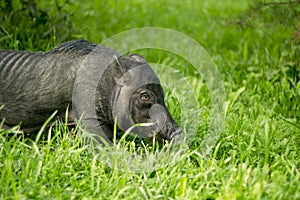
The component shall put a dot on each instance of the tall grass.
(257, 155)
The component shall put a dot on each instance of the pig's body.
(35, 84)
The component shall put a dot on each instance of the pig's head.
(139, 98)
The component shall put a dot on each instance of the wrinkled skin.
(34, 85)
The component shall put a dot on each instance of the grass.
(257, 154)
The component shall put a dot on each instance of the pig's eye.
(145, 96)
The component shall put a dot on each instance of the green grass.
(257, 155)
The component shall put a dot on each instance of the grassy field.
(257, 155)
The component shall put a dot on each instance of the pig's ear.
(117, 61)
(138, 58)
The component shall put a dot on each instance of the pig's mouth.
(175, 133)
(169, 136)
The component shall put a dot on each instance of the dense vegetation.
(256, 46)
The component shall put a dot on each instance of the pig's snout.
(165, 126)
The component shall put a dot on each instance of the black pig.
(101, 86)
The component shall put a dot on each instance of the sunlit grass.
(257, 154)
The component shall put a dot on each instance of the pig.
(97, 85)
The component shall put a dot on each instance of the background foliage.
(28, 24)
(256, 46)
